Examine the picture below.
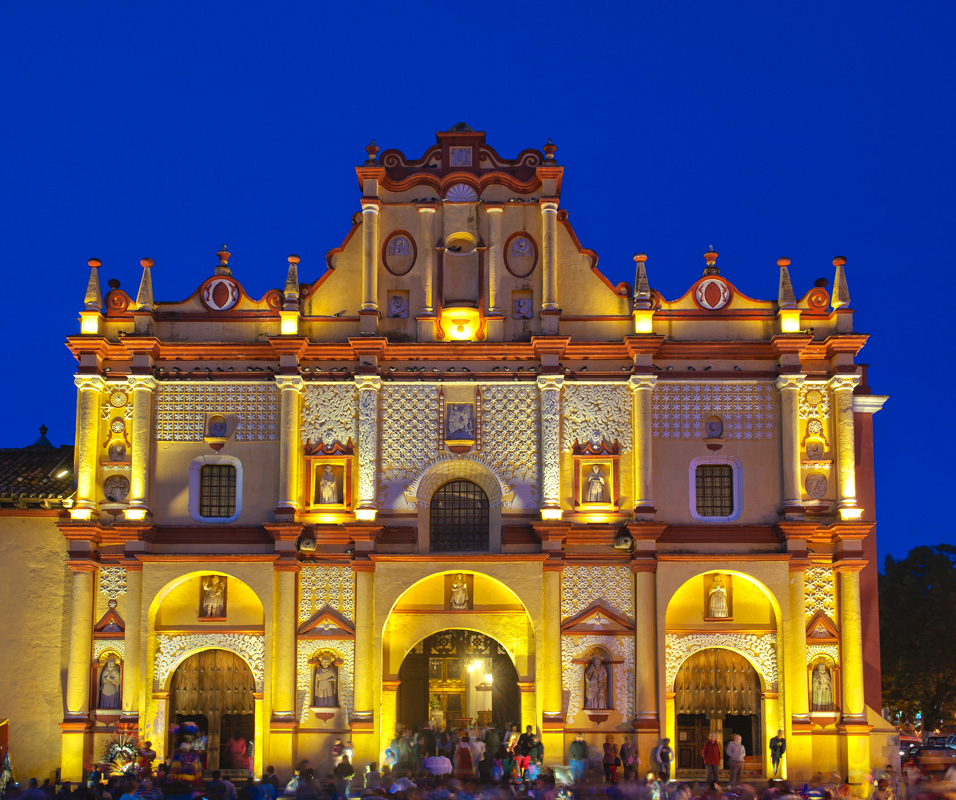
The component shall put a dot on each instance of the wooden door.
(692, 732)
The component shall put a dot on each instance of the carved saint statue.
(595, 684)
(459, 593)
(597, 488)
(398, 306)
(328, 488)
(213, 596)
(461, 421)
(326, 681)
(814, 450)
(110, 694)
(717, 606)
(522, 308)
(822, 699)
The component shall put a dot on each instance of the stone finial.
(549, 150)
(711, 258)
(144, 297)
(93, 299)
(841, 292)
(291, 291)
(372, 150)
(223, 267)
(785, 296)
(642, 288)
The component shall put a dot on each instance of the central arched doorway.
(716, 690)
(455, 678)
(212, 705)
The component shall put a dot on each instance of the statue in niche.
(116, 488)
(717, 607)
(522, 308)
(213, 597)
(597, 486)
(217, 427)
(398, 306)
(595, 684)
(117, 451)
(814, 450)
(459, 593)
(461, 422)
(822, 695)
(326, 683)
(816, 485)
(328, 487)
(714, 428)
(110, 694)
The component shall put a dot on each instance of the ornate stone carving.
(171, 650)
(329, 413)
(748, 410)
(101, 646)
(112, 581)
(550, 388)
(181, 409)
(602, 407)
(510, 439)
(814, 651)
(368, 389)
(326, 586)
(819, 591)
(622, 680)
(613, 587)
(814, 401)
(342, 649)
(761, 648)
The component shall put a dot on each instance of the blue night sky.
(805, 130)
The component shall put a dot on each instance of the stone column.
(142, 387)
(641, 388)
(529, 709)
(283, 723)
(646, 712)
(389, 720)
(370, 256)
(290, 387)
(426, 251)
(87, 440)
(842, 388)
(368, 387)
(363, 717)
(549, 387)
(492, 301)
(853, 725)
(549, 255)
(78, 677)
(132, 663)
(552, 694)
(799, 741)
(789, 386)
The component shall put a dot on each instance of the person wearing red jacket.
(712, 757)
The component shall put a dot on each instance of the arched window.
(459, 518)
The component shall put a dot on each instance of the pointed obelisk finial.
(93, 300)
(841, 292)
(144, 297)
(223, 267)
(291, 291)
(785, 296)
(642, 288)
(711, 258)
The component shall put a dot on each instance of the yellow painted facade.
(298, 447)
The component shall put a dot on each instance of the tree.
(917, 612)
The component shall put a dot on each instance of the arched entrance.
(212, 705)
(716, 690)
(455, 678)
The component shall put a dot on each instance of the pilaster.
(642, 387)
(842, 387)
(141, 388)
(368, 388)
(426, 250)
(789, 388)
(290, 389)
(549, 387)
(370, 208)
(77, 724)
(87, 440)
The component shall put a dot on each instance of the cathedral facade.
(455, 474)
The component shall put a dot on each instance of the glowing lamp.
(135, 514)
(847, 514)
(90, 322)
(643, 320)
(460, 323)
(81, 513)
(288, 323)
(365, 514)
(551, 513)
(789, 320)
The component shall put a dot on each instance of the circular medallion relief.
(399, 252)
(116, 488)
(118, 398)
(521, 254)
(814, 397)
(220, 294)
(461, 193)
(816, 485)
(713, 294)
(117, 425)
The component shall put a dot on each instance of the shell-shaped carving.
(461, 193)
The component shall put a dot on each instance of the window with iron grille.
(217, 490)
(459, 518)
(715, 490)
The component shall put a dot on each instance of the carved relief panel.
(816, 442)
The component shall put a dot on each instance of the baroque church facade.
(453, 473)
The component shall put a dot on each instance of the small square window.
(217, 491)
(715, 490)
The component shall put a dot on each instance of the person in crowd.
(664, 756)
(437, 766)
(610, 762)
(711, 755)
(373, 778)
(735, 758)
(464, 768)
(778, 746)
(343, 773)
(628, 757)
(578, 757)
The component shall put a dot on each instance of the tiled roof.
(37, 473)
